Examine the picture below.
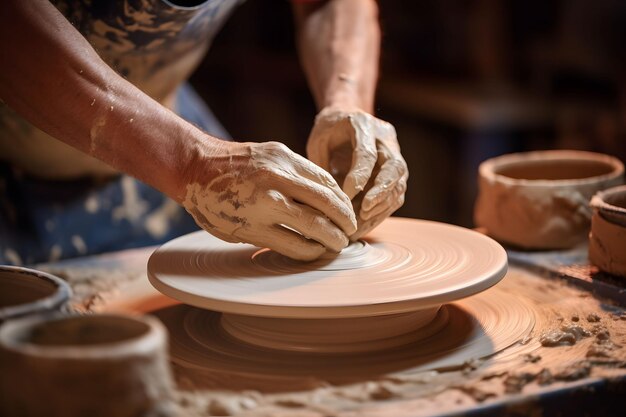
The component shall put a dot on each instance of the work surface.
(586, 375)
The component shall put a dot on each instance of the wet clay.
(607, 240)
(568, 334)
(540, 200)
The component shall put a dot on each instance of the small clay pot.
(607, 240)
(540, 200)
(26, 291)
(93, 365)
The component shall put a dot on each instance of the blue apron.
(156, 45)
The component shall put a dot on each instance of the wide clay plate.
(403, 265)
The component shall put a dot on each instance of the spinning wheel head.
(404, 265)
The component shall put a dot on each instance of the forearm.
(339, 45)
(54, 78)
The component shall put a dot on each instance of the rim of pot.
(489, 168)
(15, 335)
(61, 295)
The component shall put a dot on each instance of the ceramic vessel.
(94, 365)
(26, 291)
(540, 200)
(607, 240)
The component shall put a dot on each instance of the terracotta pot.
(26, 291)
(95, 365)
(607, 240)
(540, 200)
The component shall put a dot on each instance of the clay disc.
(404, 265)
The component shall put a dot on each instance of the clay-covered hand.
(362, 153)
(267, 195)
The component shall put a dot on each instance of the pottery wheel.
(205, 354)
(381, 292)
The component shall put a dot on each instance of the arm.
(240, 192)
(339, 44)
(54, 79)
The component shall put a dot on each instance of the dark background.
(461, 81)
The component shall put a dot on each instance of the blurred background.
(461, 81)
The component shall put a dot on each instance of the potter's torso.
(155, 44)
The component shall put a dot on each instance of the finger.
(317, 189)
(320, 138)
(309, 170)
(288, 243)
(393, 198)
(382, 207)
(289, 167)
(312, 224)
(317, 150)
(364, 155)
(365, 226)
(325, 201)
(392, 169)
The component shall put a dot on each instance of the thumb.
(364, 156)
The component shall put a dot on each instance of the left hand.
(363, 154)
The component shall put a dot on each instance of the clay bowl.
(611, 205)
(607, 240)
(26, 291)
(539, 200)
(95, 365)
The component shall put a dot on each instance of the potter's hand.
(363, 154)
(266, 195)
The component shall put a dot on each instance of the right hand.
(269, 196)
(362, 152)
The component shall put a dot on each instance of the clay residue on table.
(525, 368)
(95, 280)
(567, 334)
